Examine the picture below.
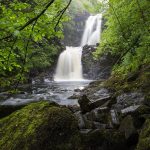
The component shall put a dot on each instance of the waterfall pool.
(58, 92)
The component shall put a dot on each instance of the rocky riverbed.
(107, 114)
(105, 119)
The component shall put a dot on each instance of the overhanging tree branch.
(31, 20)
(61, 13)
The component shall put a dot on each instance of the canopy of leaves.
(24, 24)
(127, 34)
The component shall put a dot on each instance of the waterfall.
(92, 31)
(69, 66)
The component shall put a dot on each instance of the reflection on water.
(47, 90)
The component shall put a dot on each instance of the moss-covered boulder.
(104, 140)
(40, 126)
(7, 110)
(144, 139)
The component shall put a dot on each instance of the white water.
(69, 66)
(91, 35)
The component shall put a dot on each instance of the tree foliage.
(127, 34)
(25, 27)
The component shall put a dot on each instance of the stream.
(58, 92)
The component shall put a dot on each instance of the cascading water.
(69, 67)
(91, 35)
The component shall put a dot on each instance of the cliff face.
(96, 69)
(73, 30)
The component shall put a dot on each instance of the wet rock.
(102, 92)
(84, 103)
(114, 117)
(85, 131)
(39, 126)
(74, 96)
(87, 105)
(96, 103)
(90, 116)
(96, 69)
(98, 125)
(4, 95)
(128, 128)
(129, 109)
(144, 137)
(141, 110)
(128, 99)
(102, 115)
(147, 100)
(6, 110)
(81, 122)
(103, 140)
(140, 115)
(77, 90)
(74, 108)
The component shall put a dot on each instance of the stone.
(81, 122)
(147, 100)
(128, 99)
(103, 139)
(6, 110)
(144, 137)
(84, 103)
(39, 126)
(128, 128)
(73, 108)
(129, 109)
(114, 117)
(74, 96)
(97, 103)
(96, 69)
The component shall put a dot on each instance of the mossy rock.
(104, 140)
(40, 126)
(7, 110)
(144, 139)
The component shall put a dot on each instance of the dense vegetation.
(127, 34)
(30, 35)
(26, 26)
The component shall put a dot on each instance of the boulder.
(96, 69)
(84, 103)
(128, 99)
(103, 140)
(39, 126)
(6, 110)
(97, 103)
(114, 117)
(130, 109)
(144, 138)
(81, 122)
(87, 105)
(129, 130)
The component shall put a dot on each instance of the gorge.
(69, 67)
(74, 75)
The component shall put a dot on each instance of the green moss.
(135, 81)
(104, 139)
(144, 139)
(38, 126)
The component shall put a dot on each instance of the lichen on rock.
(40, 125)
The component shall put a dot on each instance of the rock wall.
(73, 30)
(96, 69)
